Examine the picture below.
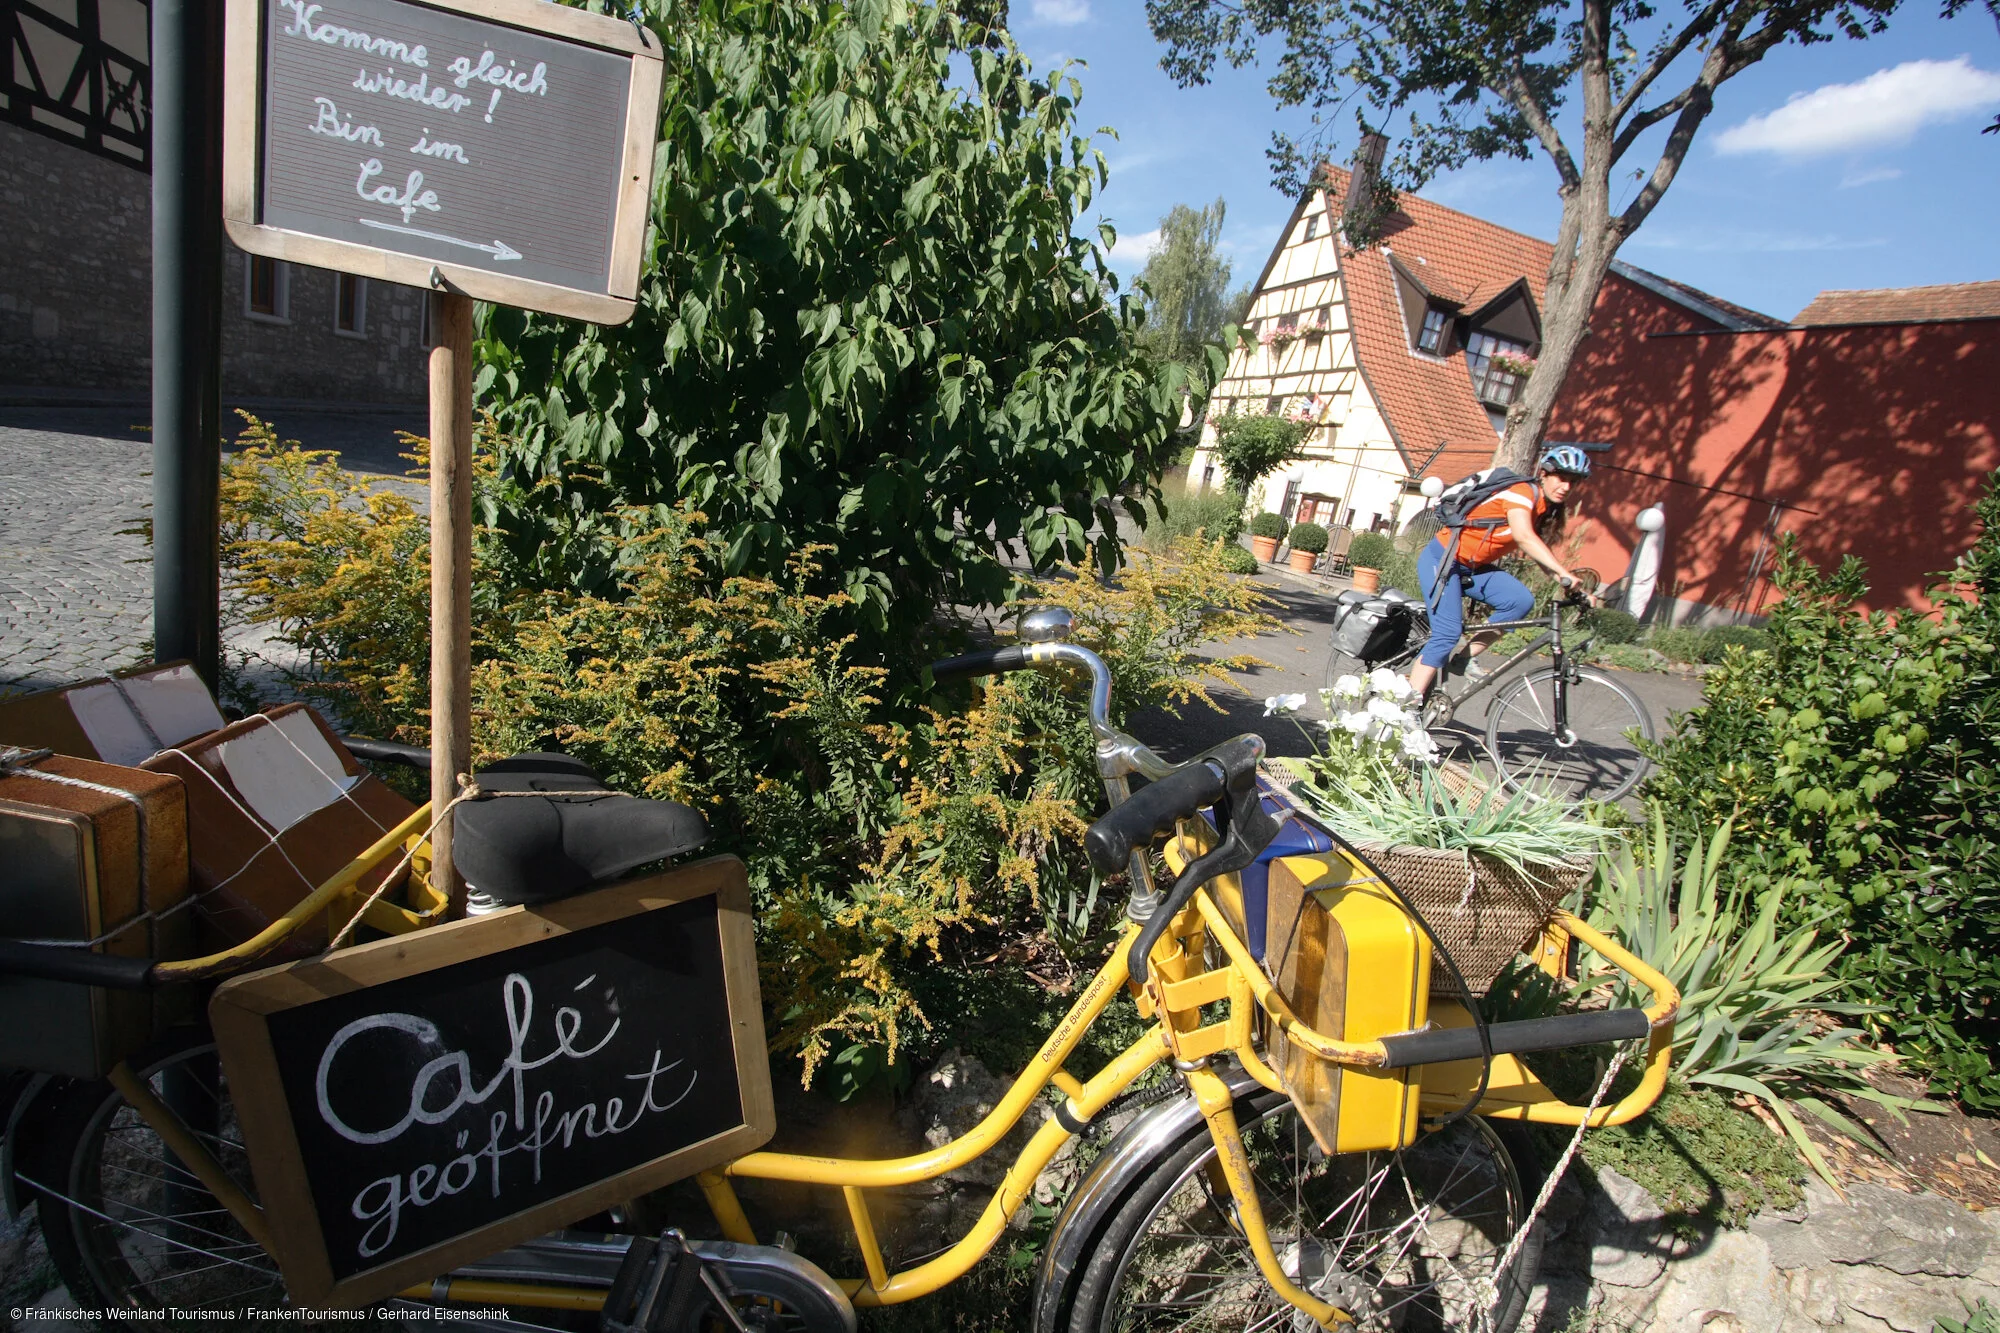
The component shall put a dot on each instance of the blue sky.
(1842, 165)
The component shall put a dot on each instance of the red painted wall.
(1883, 432)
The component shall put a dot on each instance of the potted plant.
(1308, 540)
(1266, 531)
(1369, 553)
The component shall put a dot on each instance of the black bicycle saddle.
(578, 835)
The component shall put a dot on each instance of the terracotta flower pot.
(1264, 548)
(1303, 561)
(1366, 579)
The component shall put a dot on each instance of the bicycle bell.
(1047, 624)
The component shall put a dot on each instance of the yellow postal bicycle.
(1320, 1143)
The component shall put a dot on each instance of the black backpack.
(1456, 502)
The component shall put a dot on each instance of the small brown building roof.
(1905, 305)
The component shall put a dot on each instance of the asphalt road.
(1296, 663)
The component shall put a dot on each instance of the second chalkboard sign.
(504, 146)
(439, 1096)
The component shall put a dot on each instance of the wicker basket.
(1483, 911)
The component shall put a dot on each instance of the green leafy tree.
(1465, 80)
(864, 324)
(1250, 447)
(1187, 283)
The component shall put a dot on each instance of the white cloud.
(1728, 240)
(1887, 107)
(1870, 176)
(1134, 251)
(1061, 13)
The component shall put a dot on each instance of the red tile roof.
(1905, 305)
(1428, 400)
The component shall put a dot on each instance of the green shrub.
(1861, 758)
(1716, 643)
(1371, 550)
(1250, 447)
(1309, 537)
(1607, 624)
(1209, 516)
(1236, 560)
(1676, 643)
(889, 838)
(1400, 571)
(1268, 524)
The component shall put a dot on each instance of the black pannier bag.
(1370, 627)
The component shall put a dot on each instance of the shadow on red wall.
(1871, 440)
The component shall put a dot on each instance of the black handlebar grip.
(1534, 1034)
(52, 963)
(991, 662)
(387, 752)
(1152, 809)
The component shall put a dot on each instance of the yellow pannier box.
(1353, 965)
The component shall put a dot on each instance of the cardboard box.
(276, 806)
(120, 719)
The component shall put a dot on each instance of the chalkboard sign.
(422, 1100)
(504, 146)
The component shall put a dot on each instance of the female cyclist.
(1494, 529)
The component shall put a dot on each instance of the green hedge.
(1860, 756)
(1371, 550)
(1268, 524)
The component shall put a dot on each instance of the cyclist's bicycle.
(1566, 729)
(1214, 1205)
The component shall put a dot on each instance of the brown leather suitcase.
(96, 857)
(276, 806)
(120, 718)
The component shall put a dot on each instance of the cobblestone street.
(76, 578)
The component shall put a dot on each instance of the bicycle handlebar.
(990, 662)
(1151, 810)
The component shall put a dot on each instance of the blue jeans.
(1507, 595)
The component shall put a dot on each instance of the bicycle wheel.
(128, 1226)
(1595, 760)
(1403, 1240)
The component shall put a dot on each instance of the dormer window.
(1431, 337)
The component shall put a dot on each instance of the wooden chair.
(1334, 562)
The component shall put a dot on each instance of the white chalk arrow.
(500, 250)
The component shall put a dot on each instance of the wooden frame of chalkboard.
(290, 1081)
(605, 294)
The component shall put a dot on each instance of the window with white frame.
(350, 305)
(267, 290)
(1312, 226)
(1431, 337)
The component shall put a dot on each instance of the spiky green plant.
(1753, 992)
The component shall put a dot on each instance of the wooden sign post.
(496, 150)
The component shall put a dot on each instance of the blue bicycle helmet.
(1567, 459)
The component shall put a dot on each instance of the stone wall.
(76, 295)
